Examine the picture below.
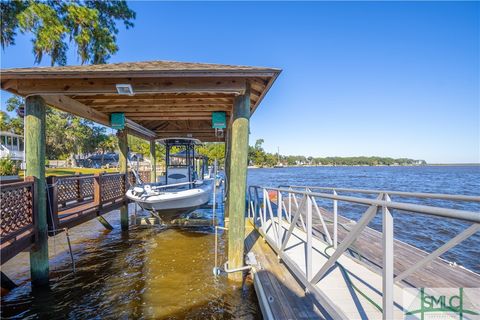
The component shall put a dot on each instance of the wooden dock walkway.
(352, 289)
(283, 296)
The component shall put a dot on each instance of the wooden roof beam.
(136, 99)
(163, 109)
(100, 86)
(158, 96)
(72, 106)
(170, 117)
(139, 130)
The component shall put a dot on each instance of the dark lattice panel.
(16, 205)
(131, 178)
(144, 175)
(86, 187)
(113, 187)
(67, 190)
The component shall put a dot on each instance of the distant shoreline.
(424, 165)
(454, 164)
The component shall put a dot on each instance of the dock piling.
(35, 124)
(153, 159)
(122, 161)
(238, 183)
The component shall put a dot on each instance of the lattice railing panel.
(67, 190)
(16, 204)
(144, 175)
(86, 187)
(113, 187)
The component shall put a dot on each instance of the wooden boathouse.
(163, 99)
(313, 262)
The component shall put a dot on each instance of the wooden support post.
(153, 159)
(104, 223)
(238, 183)
(7, 285)
(228, 148)
(35, 165)
(52, 216)
(122, 160)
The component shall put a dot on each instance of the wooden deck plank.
(287, 298)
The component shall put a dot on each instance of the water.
(167, 273)
(146, 273)
(424, 232)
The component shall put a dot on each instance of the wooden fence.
(144, 176)
(75, 199)
(71, 200)
(18, 216)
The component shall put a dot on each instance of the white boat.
(191, 187)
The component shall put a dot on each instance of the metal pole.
(308, 267)
(335, 221)
(214, 191)
(387, 274)
(70, 249)
(279, 218)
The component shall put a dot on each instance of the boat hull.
(171, 204)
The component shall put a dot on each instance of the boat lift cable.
(54, 230)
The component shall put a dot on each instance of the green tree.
(66, 134)
(89, 24)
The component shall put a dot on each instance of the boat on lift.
(187, 183)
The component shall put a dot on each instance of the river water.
(424, 232)
(152, 272)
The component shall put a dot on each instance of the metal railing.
(292, 210)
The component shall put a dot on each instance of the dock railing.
(18, 217)
(292, 201)
(75, 199)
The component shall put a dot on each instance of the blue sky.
(397, 79)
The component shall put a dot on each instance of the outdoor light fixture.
(125, 89)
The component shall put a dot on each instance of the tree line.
(260, 158)
(69, 136)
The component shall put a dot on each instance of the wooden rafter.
(169, 97)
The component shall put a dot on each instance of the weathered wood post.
(122, 161)
(52, 216)
(35, 166)
(238, 182)
(153, 159)
(228, 148)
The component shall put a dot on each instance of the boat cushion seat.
(177, 176)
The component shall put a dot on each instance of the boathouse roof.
(170, 99)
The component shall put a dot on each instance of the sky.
(397, 79)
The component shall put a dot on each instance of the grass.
(71, 171)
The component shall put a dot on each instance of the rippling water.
(146, 273)
(167, 273)
(422, 231)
